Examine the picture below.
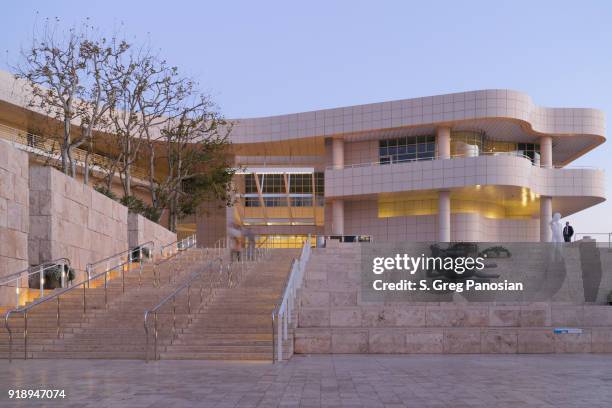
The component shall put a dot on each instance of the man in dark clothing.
(568, 231)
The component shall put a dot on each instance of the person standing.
(568, 232)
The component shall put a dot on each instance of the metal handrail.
(172, 296)
(40, 269)
(186, 242)
(245, 263)
(49, 149)
(56, 295)
(454, 156)
(281, 314)
(90, 267)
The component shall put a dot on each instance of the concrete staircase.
(237, 324)
(111, 330)
(333, 318)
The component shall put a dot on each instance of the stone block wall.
(14, 221)
(141, 230)
(333, 317)
(211, 223)
(72, 220)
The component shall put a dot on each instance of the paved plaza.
(578, 380)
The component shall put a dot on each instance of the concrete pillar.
(546, 151)
(444, 216)
(443, 138)
(338, 153)
(545, 218)
(337, 217)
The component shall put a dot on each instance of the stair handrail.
(123, 258)
(85, 283)
(179, 244)
(172, 297)
(189, 242)
(259, 254)
(281, 315)
(33, 270)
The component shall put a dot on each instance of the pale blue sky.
(264, 58)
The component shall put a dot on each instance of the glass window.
(405, 149)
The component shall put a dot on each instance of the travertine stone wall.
(333, 317)
(211, 223)
(72, 220)
(141, 230)
(14, 223)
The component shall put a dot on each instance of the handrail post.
(189, 298)
(105, 289)
(10, 333)
(17, 286)
(139, 265)
(58, 317)
(42, 281)
(84, 300)
(25, 335)
(123, 278)
(146, 329)
(63, 276)
(155, 338)
(273, 341)
(279, 340)
(173, 318)
(88, 270)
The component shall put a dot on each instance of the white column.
(546, 151)
(337, 217)
(444, 216)
(545, 218)
(443, 137)
(338, 153)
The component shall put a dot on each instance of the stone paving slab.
(432, 381)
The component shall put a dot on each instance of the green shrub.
(52, 276)
(134, 204)
(146, 253)
(103, 190)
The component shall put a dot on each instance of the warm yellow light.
(478, 186)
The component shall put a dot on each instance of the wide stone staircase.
(334, 317)
(111, 325)
(237, 323)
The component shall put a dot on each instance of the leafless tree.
(53, 67)
(68, 76)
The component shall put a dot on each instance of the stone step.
(172, 355)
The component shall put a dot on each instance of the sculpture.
(556, 228)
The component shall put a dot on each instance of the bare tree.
(53, 69)
(99, 93)
(68, 74)
(142, 84)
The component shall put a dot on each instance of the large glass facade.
(274, 191)
(405, 149)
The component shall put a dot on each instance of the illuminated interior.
(494, 202)
(283, 197)
(283, 241)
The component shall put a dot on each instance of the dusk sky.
(261, 58)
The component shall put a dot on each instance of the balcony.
(464, 171)
(47, 150)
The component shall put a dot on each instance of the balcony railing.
(48, 149)
(455, 156)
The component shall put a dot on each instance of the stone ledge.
(450, 340)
